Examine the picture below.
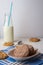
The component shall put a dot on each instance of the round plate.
(27, 58)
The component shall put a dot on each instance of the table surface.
(38, 45)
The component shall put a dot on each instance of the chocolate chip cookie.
(3, 55)
(8, 44)
(34, 39)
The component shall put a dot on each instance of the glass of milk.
(8, 30)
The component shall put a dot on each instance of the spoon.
(18, 43)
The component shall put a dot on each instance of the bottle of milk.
(8, 30)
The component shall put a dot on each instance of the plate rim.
(23, 58)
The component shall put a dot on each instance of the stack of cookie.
(22, 51)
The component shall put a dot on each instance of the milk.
(8, 34)
(8, 30)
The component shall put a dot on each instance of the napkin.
(12, 61)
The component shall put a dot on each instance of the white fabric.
(38, 45)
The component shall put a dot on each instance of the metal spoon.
(18, 43)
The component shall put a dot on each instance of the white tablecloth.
(38, 45)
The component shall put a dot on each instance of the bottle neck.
(10, 22)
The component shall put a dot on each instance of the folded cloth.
(11, 61)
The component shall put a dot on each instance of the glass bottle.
(8, 30)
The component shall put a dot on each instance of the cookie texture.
(8, 44)
(3, 55)
(21, 51)
(34, 39)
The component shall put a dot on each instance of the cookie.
(31, 50)
(21, 51)
(8, 44)
(34, 39)
(3, 55)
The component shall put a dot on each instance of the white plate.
(25, 58)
